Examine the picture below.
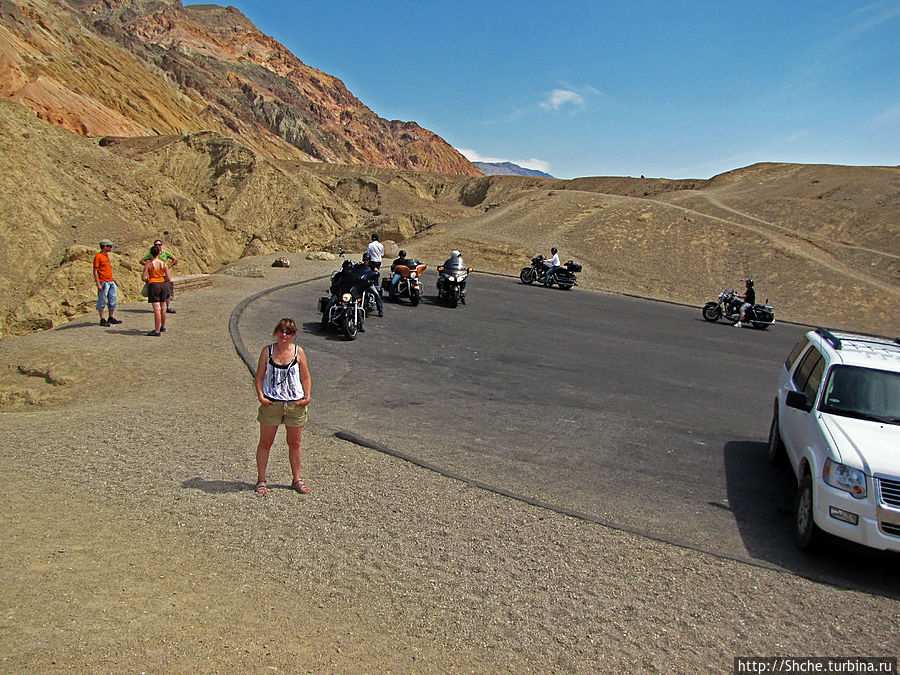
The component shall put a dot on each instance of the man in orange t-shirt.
(106, 285)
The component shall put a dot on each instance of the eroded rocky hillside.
(154, 67)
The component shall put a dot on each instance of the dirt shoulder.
(132, 542)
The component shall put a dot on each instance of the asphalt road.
(631, 413)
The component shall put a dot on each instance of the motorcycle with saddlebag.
(563, 276)
(728, 307)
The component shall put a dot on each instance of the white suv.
(837, 419)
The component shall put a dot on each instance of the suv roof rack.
(833, 339)
(859, 340)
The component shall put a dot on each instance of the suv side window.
(815, 379)
(796, 352)
(809, 374)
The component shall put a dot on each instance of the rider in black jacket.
(749, 298)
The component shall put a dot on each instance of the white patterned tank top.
(282, 382)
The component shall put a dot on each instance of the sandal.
(299, 487)
(261, 488)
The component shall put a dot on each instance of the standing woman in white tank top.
(282, 387)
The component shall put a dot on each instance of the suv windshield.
(863, 393)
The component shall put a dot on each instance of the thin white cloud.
(559, 98)
(798, 135)
(869, 17)
(889, 116)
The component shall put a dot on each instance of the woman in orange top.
(156, 274)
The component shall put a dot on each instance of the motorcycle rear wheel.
(564, 285)
(348, 327)
(711, 312)
(527, 275)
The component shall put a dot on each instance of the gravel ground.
(132, 540)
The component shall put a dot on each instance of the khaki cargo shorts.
(288, 414)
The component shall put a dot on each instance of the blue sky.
(593, 88)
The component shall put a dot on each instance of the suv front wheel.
(806, 532)
(776, 445)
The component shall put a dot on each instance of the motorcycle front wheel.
(527, 275)
(453, 297)
(414, 297)
(711, 311)
(348, 327)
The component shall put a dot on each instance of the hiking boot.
(104, 322)
(169, 310)
(111, 320)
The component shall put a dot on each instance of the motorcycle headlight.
(845, 478)
(413, 275)
(346, 297)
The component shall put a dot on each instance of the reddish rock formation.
(144, 67)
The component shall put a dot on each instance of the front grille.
(890, 492)
(888, 528)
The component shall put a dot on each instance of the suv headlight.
(844, 477)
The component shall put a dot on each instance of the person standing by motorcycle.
(400, 260)
(375, 249)
(749, 298)
(553, 263)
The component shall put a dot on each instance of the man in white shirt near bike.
(375, 249)
(553, 263)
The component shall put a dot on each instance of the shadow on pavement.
(216, 487)
(761, 498)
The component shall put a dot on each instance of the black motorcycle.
(345, 306)
(564, 276)
(451, 284)
(344, 311)
(729, 308)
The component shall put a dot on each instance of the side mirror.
(798, 400)
(469, 269)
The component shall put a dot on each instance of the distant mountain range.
(508, 169)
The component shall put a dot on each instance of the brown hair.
(285, 324)
(154, 250)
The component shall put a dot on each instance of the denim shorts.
(106, 295)
(289, 414)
